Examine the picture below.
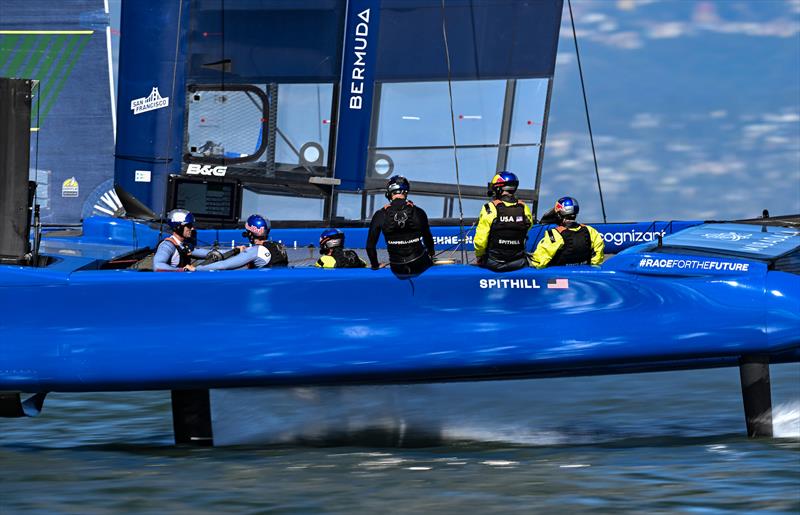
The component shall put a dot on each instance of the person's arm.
(528, 215)
(427, 237)
(482, 230)
(201, 253)
(598, 246)
(163, 257)
(547, 248)
(232, 263)
(375, 227)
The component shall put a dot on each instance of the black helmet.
(397, 184)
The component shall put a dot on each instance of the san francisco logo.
(149, 103)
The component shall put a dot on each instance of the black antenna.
(586, 108)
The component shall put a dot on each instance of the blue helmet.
(178, 218)
(330, 238)
(397, 184)
(503, 182)
(256, 226)
(567, 208)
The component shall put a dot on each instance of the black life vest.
(508, 233)
(346, 258)
(278, 252)
(577, 248)
(402, 230)
(184, 252)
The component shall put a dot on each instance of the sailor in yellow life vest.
(503, 227)
(333, 253)
(569, 243)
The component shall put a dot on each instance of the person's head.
(256, 229)
(181, 222)
(397, 187)
(329, 240)
(503, 184)
(567, 209)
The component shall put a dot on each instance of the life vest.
(346, 258)
(278, 253)
(508, 232)
(577, 248)
(184, 253)
(403, 233)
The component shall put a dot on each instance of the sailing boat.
(213, 128)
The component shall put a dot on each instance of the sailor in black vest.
(405, 228)
(503, 226)
(334, 255)
(262, 252)
(175, 253)
(569, 243)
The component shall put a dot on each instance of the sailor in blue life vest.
(405, 228)
(503, 226)
(334, 255)
(262, 251)
(175, 253)
(569, 243)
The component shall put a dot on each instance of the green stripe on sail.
(46, 84)
(7, 46)
(62, 77)
(20, 55)
(36, 56)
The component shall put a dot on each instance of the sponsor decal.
(451, 240)
(726, 236)
(694, 264)
(359, 64)
(216, 171)
(769, 240)
(149, 103)
(509, 283)
(632, 236)
(142, 176)
(70, 188)
(558, 284)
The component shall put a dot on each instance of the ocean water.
(644, 443)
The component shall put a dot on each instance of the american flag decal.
(558, 284)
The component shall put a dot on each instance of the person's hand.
(242, 248)
(188, 268)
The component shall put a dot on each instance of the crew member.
(569, 243)
(503, 227)
(175, 253)
(262, 252)
(334, 255)
(405, 228)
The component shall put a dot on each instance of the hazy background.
(695, 108)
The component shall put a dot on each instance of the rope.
(461, 235)
(586, 108)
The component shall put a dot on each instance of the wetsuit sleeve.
(546, 249)
(598, 246)
(232, 263)
(375, 227)
(163, 256)
(427, 237)
(201, 253)
(326, 262)
(482, 230)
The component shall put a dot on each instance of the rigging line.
(172, 89)
(461, 235)
(586, 108)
